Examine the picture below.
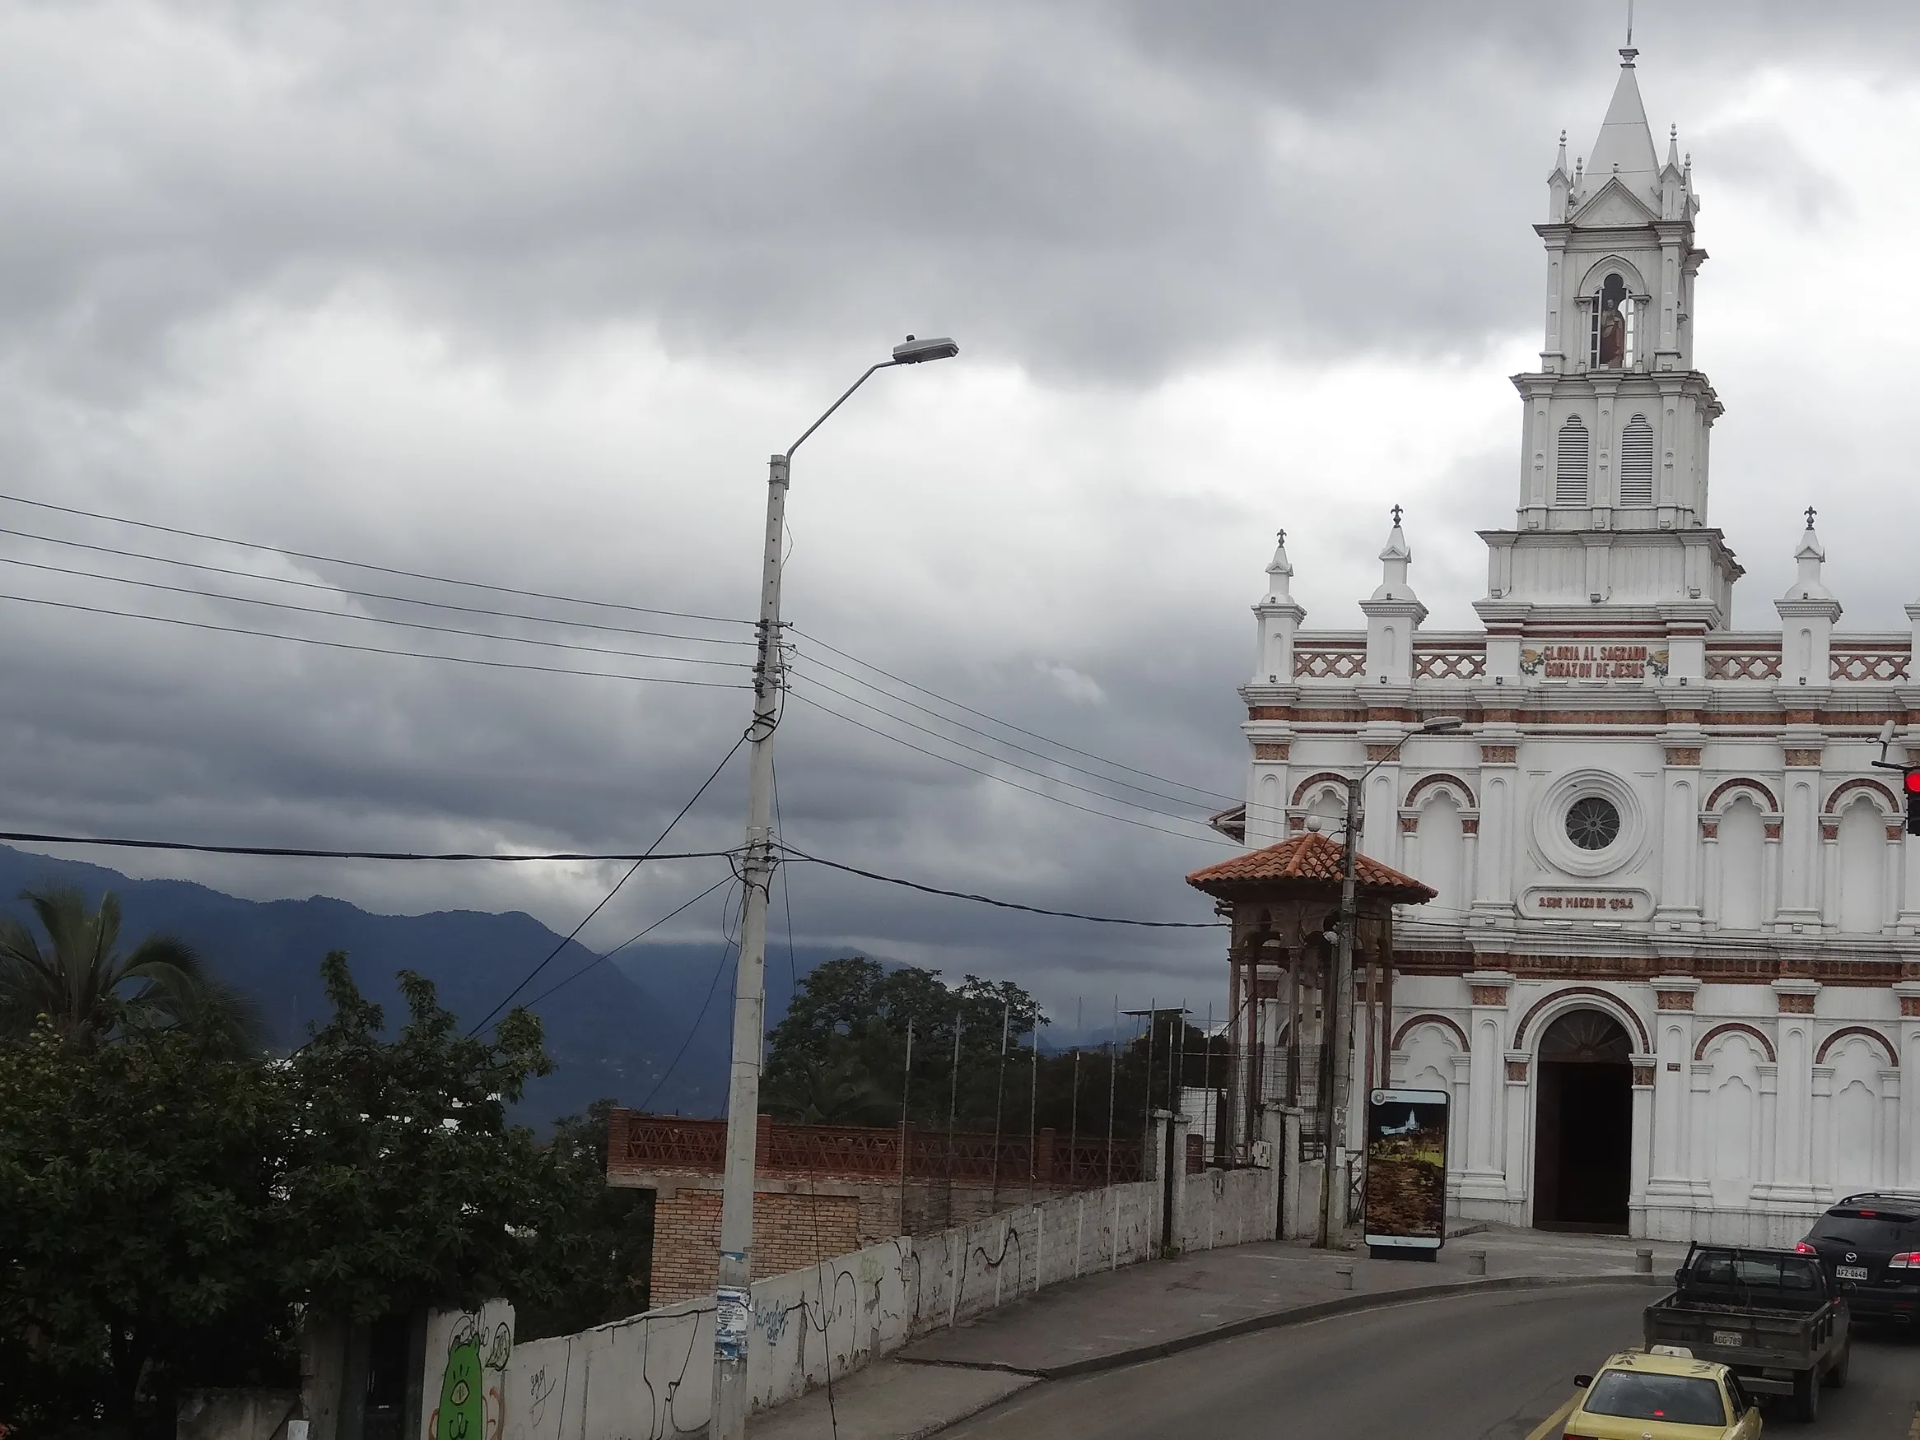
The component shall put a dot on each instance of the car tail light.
(1804, 1249)
(1909, 1261)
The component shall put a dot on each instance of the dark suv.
(1870, 1246)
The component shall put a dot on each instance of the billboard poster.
(1406, 1192)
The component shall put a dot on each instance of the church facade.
(1672, 978)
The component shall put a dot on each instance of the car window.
(1677, 1399)
(1864, 1232)
(1755, 1272)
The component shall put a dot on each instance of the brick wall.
(790, 1232)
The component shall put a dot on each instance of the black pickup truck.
(1772, 1316)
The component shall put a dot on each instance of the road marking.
(1554, 1421)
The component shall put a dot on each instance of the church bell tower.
(1613, 475)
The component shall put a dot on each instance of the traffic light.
(1913, 801)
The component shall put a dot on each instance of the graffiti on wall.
(471, 1348)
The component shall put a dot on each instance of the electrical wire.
(990, 736)
(631, 940)
(983, 715)
(369, 594)
(712, 985)
(29, 837)
(369, 619)
(366, 565)
(1011, 764)
(715, 775)
(369, 649)
(1002, 904)
(1001, 779)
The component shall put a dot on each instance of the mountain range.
(649, 1029)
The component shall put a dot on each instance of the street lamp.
(733, 1297)
(1340, 1022)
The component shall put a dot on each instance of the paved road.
(1480, 1367)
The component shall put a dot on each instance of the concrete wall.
(649, 1377)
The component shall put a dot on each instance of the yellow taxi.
(1662, 1394)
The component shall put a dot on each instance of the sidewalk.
(1153, 1309)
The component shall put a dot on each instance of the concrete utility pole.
(733, 1298)
(1339, 1004)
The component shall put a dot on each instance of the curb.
(934, 1427)
(1278, 1319)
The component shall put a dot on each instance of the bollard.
(1476, 1262)
(1345, 1274)
(1643, 1262)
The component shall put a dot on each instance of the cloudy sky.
(525, 295)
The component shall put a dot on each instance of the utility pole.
(733, 1298)
(1338, 1004)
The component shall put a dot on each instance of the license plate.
(1851, 1272)
(1728, 1339)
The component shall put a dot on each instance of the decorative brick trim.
(1673, 999)
(1766, 1045)
(1773, 830)
(1324, 777)
(1820, 1055)
(1271, 750)
(1516, 1070)
(1683, 755)
(1489, 994)
(1804, 757)
(1796, 1004)
(1499, 754)
(1709, 829)
(1451, 1026)
(1832, 807)
(1896, 833)
(1440, 777)
(1382, 752)
(1829, 830)
(1643, 1075)
(1909, 1006)
(1613, 1003)
(1470, 825)
(1409, 824)
(1727, 787)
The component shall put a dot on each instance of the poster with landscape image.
(1406, 1190)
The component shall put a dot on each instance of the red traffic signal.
(1913, 801)
(1913, 782)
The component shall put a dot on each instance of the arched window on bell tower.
(1613, 327)
(1570, 477)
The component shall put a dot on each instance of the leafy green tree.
(89, 990)
(139, 1238)
(594, 1256)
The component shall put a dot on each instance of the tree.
(90, 992)
(138, 1234)
(840, 1054)
(595, 1254)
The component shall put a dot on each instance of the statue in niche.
(1613, 324)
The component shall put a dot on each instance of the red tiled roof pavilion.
(1308, 861)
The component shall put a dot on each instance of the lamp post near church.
(729, 1413)
(1333, 1099)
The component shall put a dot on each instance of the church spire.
(1625, 147)
(1280, 574)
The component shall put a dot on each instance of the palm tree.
(89, 992)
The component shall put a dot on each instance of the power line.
(1002, 904)
(694, 1029)
(995, 720)
(366, 649)
(607, 899)
(296, 853)
(368, 619)
(1001, 779)
(367, 594)
(995, 739)
(632, 940)
(1012, 764)
(366, 565)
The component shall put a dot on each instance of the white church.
(1672, 978)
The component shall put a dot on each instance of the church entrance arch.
(1583, 1124)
